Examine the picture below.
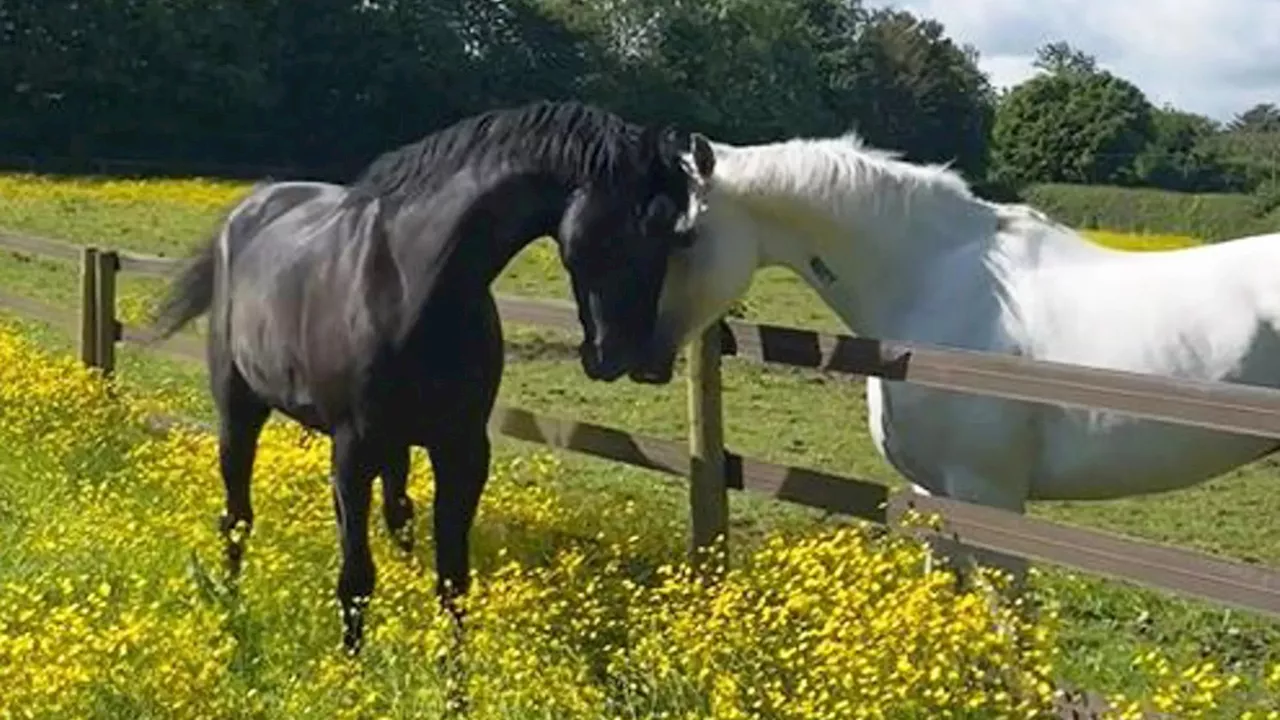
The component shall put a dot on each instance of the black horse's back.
(191, 294)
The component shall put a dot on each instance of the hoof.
(452, 604)
(452, 667)
(234, 558)
(234, 534)
(353, 613)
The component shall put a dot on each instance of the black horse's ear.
(674, 139)
(704, 158)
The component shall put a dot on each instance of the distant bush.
(1267, 199)
(1254, 157)
(1209, 216)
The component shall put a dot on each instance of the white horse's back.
(1183, 313)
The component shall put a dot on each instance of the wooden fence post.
(107, 330)
(88, 306)
(708, 491)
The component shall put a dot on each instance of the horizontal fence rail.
(1221, 406)
(1228, 407)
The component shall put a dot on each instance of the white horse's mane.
(817, 161)
(844, 174)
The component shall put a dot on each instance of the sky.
(1214, 57)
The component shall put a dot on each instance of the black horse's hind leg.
(397, 508)
(355, 464)
(241, 417)
(461, 466)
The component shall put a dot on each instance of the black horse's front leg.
(397, 508)
(354, 467)
(461, 468)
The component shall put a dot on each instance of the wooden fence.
(712, 469)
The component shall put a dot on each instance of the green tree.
(1261, 118)
(761, 70)
(325, 84)
(1180, 156)
(1074, 126)
(920, 93)
(319, 84)
(1062, 57)
(740, 70)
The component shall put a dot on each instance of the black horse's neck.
(504, 222)
(460, 203)
(567, 142)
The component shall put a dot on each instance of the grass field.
(112, 604)
(791, 416)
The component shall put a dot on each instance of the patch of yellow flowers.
(113, 602)
(30, 198)
(209, 194)
(162, 217)
(1139, 241)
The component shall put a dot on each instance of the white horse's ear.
(704, 158)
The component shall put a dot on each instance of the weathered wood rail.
(712, 469)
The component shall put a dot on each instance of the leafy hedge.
(1211, 217)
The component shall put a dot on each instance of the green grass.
(784, 415)
(1212, 216)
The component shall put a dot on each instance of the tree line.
(324, 85)
(1077, 123)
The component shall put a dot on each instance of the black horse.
(365, 312)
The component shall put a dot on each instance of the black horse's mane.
(575, 141)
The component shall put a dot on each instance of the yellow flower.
(114, 602)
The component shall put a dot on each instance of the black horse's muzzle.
(657, 368)
(658, 364)
(605, 362)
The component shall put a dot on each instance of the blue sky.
(1215, 57)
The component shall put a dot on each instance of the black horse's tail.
(190, 295)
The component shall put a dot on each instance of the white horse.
(906, 252)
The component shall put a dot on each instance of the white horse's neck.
(857, 225)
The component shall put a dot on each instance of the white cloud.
(1216, 57)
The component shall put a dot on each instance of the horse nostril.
(651, 376)
(590, 358)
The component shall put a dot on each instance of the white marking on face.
(697, 194)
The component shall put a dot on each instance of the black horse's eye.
(660, 216)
